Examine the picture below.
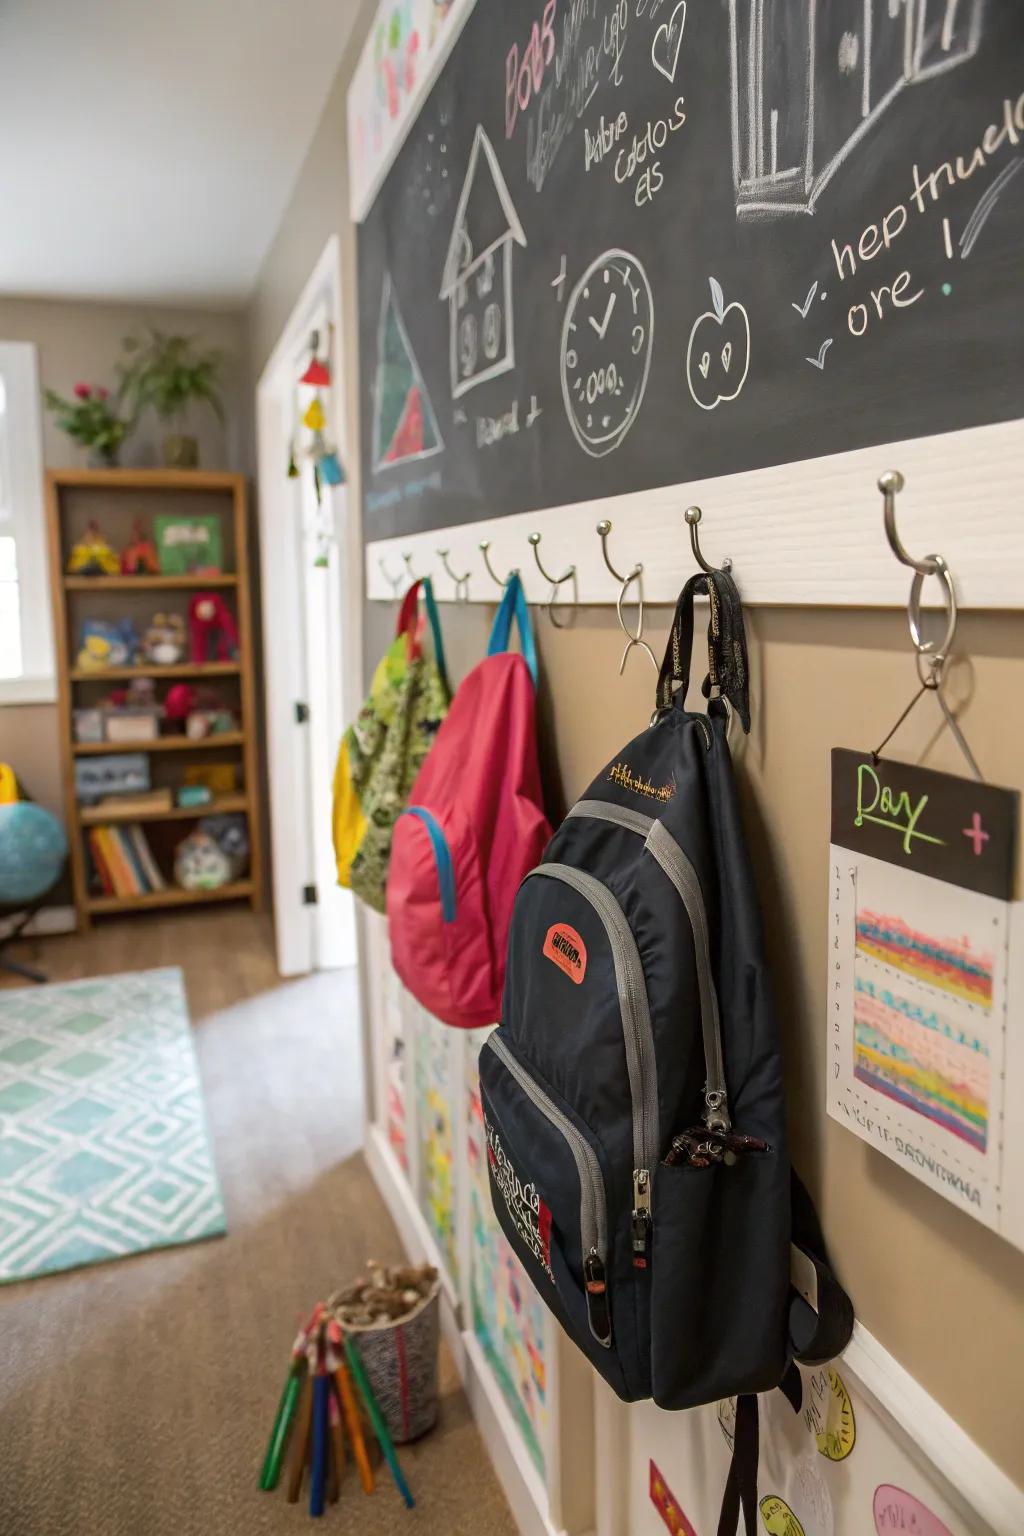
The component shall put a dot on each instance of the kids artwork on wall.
(919, 1004)
(402, 53)
(508, 1316)
(435, 1088)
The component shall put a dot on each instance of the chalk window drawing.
(477, 276)
(606, 350)
(404, 425)
(806, 86)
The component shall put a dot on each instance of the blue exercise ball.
(33, 848)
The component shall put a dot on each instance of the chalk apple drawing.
(718, 354)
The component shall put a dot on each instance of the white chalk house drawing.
(607, 336)
(718, 351)
(404, 425)
(477, 276)
(808, 79)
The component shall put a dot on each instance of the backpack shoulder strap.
(820, 1325)
(513, 606)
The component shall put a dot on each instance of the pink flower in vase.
(82, 391)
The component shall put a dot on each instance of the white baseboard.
(47, 920)
(969, 1477)
(520, 1481)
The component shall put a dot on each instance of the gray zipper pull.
(641, 1220)
(597, 1297)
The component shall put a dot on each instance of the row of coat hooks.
(930, 656)
(633, 577)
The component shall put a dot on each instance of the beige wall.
(938, 1290)
(82, 341)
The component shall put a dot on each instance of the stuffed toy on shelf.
(211, 629)
(139, 558)
(91, 555)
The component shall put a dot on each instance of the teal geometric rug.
(103, 1142)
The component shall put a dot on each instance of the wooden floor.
(136, 1396)
(227, 954)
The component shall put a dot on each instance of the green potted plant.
(169, 373)
(90, 419)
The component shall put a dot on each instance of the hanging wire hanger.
(604, 528)
(930, 656)
(461, 582)
(556, 581)
(485, 545)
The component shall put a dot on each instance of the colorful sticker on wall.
(896, 1510)
(779, 1519)
(393, 1046)
(435, 1045)
(922, 868)
(667, 1505)
(404, 425)
(828, 1413)
(508, 1315)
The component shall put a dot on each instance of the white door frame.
(283, 629)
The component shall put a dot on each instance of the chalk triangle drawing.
(404, 424)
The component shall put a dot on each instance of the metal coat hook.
(461, 582)
(556, 581)
(485, 545)
(407, 557)
(693, 516)
(604, 528)
(890, 484)
(930, 656)
(394, 582)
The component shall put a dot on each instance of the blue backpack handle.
(513, 604)
(434, 620)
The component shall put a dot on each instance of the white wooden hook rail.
(797, 534)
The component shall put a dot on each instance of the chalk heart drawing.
(896, 1510)
(606, 350)
(667, 42)
(718, 354)
(779, 1519)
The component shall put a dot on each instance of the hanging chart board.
(634, 253)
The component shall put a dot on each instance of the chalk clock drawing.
(477, 276)
(404, 425)
(808, 80)
(718, 352)
(607, 336)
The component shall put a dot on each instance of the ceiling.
(148, 150)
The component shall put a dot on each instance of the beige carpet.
(136, 1397)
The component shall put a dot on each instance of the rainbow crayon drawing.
(949, 965)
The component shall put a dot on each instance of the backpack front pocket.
(548, 1190)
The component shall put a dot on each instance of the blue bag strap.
(513, 605)
(434, 620)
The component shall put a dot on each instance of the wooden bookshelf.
(115, 498)
(160, 744)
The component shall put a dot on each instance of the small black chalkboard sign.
(936, 824)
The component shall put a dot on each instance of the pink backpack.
(473, 828)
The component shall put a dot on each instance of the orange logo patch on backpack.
(564, 946)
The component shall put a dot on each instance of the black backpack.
(633, 1095)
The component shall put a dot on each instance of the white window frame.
(22, 450)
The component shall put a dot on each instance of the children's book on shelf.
(123, 861)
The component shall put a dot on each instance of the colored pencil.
(279, 1434)
(300, 1443)
(380, 1427)
(318, 1476)
(336, 1465)
(355, 1433)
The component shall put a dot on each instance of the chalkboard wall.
(629, 243)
